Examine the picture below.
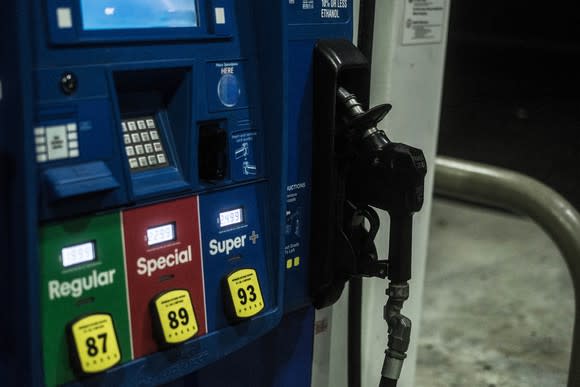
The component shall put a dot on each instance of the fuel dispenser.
(183, 181)
(144, 188)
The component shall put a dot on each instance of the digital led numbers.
(161, 234)
(231, 217)
(77, 254)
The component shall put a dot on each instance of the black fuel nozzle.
(386, 175)
(389, 176)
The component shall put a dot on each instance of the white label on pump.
(423, 22)
(64, 18)
(220, 15)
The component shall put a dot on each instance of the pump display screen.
(161, 234)
(132, 14)
(231, 217)
(77, 254)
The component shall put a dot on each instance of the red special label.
(162, 249)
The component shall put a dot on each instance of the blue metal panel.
(282, 358)
(220, 259)
(20, 358)
(173, 75)
(306, 24)
(116, 71)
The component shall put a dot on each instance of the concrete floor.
(498, 303)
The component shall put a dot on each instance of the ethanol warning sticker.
(423, 22)
(331, 9)
(319, 11)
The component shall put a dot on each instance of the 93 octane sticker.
(245, 292)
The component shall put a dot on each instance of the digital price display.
(77, 254)
(134, 14)
(232, 217)
(161, 234)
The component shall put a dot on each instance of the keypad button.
(57, 142)
(73, 136)
(39, 131)
(73, 153)
(73, 144)
(39, 140)
(143, 144)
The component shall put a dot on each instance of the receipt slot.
(84, 317)
(164, 274)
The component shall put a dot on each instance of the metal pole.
(483, 184)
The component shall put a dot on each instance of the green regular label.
(82, 272)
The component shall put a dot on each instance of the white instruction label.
(332, 9)
(423, 23)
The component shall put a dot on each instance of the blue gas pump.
(164, 171)
(139, 244)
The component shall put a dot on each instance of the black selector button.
(212, 152)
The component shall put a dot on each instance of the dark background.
(511, 93)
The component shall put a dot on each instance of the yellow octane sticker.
(176, 317)
(245, 292)
(95, 343)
